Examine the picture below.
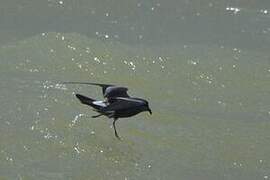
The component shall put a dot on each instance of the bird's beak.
(150, 111)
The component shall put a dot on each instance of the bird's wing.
(116, 91)
(108, 90)
(104, 86)
(121, 103)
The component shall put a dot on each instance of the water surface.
(204, 67)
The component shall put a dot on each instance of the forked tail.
(88, 101)
(97, 105)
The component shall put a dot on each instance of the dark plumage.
(118, 104)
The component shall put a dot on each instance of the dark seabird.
(118, 105)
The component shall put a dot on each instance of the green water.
(203, 67)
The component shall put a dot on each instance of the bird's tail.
(97, 105)
(88, 101)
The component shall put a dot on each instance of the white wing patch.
(130, 99)
(99, 103)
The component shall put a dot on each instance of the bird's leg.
(115, 132)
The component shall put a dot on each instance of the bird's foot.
(119, 138)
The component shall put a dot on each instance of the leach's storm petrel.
(118, 105)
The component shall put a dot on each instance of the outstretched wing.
(104, 86)
(108, 90)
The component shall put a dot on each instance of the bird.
(118, 103)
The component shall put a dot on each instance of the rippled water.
(204, 68)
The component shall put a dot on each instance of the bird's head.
(146, 107)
